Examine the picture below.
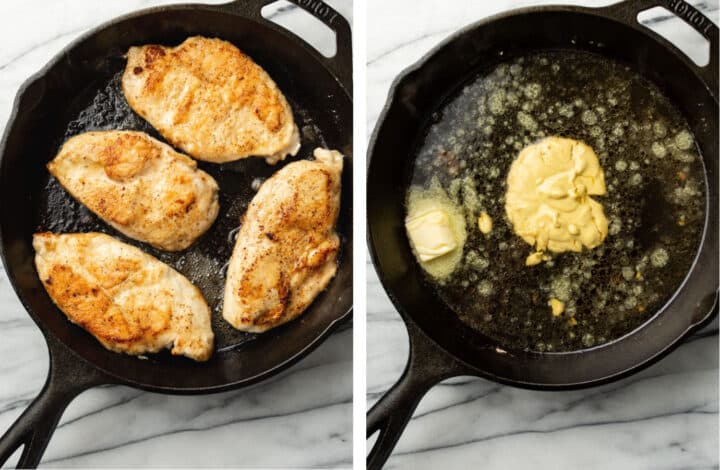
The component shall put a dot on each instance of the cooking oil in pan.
(655, 199)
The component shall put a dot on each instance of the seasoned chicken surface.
(208, 98)
(131, 302)
(285, 252)
(139, 185)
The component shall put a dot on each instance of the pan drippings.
(103, 107)
(655, 200)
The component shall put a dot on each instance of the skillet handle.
(68, 376)
(427, 366)
(341, 63)
(628, 11)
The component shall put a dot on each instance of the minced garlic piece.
(485, 223)
(548, 198)
(557, 306)
(534, 258)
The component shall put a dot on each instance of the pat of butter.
(436, 229)
(431, 234)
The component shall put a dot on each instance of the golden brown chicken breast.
(139, 185)
(209, 99)
(131, 302)
(285, 252)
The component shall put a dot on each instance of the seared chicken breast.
(209, 99)
(139, 185)
(131, 302)
(285, 252)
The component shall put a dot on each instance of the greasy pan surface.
(80, 92)
(423, 89)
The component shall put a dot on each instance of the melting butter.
(431, 234)
(436, 229)
(548, 197)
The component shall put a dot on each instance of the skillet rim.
(61, 348)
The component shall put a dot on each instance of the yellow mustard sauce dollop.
(548, 197)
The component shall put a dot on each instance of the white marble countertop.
(301, 419)
(665, 417)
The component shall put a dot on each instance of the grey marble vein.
(301, 419)
(665, 417)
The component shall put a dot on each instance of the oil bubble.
(658, 149)
(533, 90)
(659, 257)
(659, 129)
(527, 121)
(684, 140)
(495, 102)
(589, 118)
(485, 288)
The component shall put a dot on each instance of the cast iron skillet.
(440, 345)
(318, 88)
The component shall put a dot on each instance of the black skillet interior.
(422, 90)
(80, 92)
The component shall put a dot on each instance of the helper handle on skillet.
(341, 63)
(628, 11)
(428, 364)
(68, 376)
